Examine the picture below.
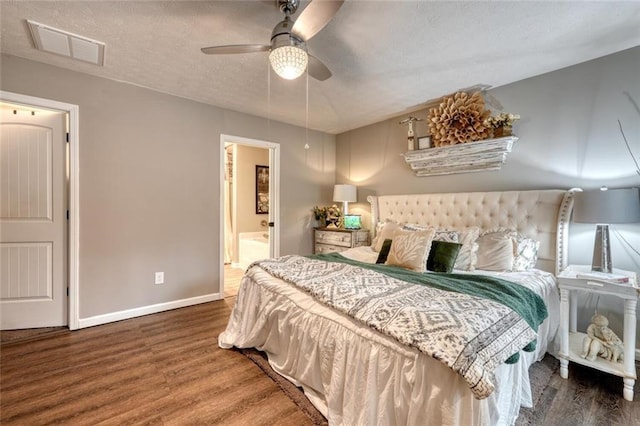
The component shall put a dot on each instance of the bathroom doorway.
(250, 204)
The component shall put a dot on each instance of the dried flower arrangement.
(458, 119)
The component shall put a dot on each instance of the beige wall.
(149, 184)
(569, 137)
(246, 218)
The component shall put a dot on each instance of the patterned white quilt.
(469, 334)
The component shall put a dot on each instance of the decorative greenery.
(502, 119)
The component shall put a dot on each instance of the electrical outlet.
(159, 277)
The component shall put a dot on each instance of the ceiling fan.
(288, 50)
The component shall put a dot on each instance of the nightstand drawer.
(328, 248)
(336, 238)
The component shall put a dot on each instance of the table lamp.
(602, 207)
(345, 193)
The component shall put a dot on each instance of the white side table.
(571, 340)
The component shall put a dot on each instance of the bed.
(356, 373)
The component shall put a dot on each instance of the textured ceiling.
(387, 57)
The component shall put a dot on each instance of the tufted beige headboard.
(542, 215)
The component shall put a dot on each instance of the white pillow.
(386, 233)
(410, 249)
(496, 251)
(376, 234)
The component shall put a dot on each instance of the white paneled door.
(33, 218)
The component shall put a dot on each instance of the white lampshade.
(604, 207)
(346, 194)
(289, 62)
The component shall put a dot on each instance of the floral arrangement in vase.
(501, 123)
(328, 216)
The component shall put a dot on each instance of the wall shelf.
(479, 156)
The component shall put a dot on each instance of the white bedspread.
(355, 375)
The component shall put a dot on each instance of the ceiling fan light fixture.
(288, 55)
(289, 62)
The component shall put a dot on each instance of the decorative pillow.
(441, 234)
(526, 253)
(467, 256)
(496, 251)
(447, 235)
(384, 251)
(386, 233)
(442, 256)
(410, 249)
(415, 227)
(376, 235)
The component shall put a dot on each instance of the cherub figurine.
(601, 341)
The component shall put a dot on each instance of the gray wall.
(569, 137)
(149, 184)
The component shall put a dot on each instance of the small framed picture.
(424, 142)
(262, 189)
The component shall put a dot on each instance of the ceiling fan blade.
(314, 17)
(317, 69)
(235, 48)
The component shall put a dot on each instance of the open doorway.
(250, 199)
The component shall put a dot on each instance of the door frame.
(274, 195)
(73, 229)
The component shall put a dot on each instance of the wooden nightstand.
(333, 240)
(571, 342)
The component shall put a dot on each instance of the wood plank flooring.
(166, 369)
(232, 278)
(588, 397)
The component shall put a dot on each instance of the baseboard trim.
(145, 310)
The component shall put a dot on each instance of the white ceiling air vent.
(53, 40)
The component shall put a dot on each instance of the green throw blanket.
(520, 299)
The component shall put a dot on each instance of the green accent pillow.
(384, 251)
(442, 256)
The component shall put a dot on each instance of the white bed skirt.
(357, 376)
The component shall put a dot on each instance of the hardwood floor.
(232, 278)
(587, 398)
(164, 368)
(167, 369)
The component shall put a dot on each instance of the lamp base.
(602, 251)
